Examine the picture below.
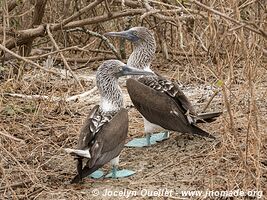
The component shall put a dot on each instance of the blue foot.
(97, 174)
(143, 142)
(140, 142)
(120, 174)
(160, 136)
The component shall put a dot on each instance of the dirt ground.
(33, 164)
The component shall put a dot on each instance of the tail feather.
(198, 131)
(86, 171)
(78, 152)
(79, 168)
(208, 117)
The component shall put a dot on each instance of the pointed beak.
(128, 35)
(126, 70)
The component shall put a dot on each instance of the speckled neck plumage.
(143, 53)
(110, 92)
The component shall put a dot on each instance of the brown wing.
(157, 106)
(161, 109)
(170, 88)
(110, 139)
(107, 144)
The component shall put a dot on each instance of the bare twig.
(210, 100)
(68, 49)
(14, 185)
(12, 5)
(62, 56)
(77, 14)
(102, 37)
(88, 60)
(12, 137)
(258, 31)
(23, 36)
(34, 97)
(27, 60)
(81, 97)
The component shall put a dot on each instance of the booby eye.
(134, 33)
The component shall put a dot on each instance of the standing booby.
(160, 101)
(105, 130)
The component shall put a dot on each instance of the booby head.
(107, 83)
(135, 34)
(114, 69)
(144, 46)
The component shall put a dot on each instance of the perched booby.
(160, 101)
(104, 132)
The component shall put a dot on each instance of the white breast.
(107, 105)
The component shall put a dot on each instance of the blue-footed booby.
(104, 132)
(161, 102)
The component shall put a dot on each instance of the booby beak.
(126, 70)
(123, 34)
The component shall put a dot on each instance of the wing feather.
(107, 142)
(171, 89)
(157, 107)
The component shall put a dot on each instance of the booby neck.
(111, 99)
(143, 54)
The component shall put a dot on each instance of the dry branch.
(11, 137)
(242, 24)
(102, 37)
(129, 3)
(77, 14)
(27, 60)
(62, 56)
(76, 48)
(18, 184)
(82, 97)
(39, 10)
(66, 73)
(79, 97)
(34, 97)
(88, 60)
(104, 18)
(12, 5)
(23, 36)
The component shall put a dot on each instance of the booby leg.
(142, 142)
(150, 138)
(115, 173)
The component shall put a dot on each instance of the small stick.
(38, 191)
(54, 99)
(31, 97)
(80, 96)
(11, 137)
(15, 184)
(210, 100)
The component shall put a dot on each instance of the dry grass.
(201, 53)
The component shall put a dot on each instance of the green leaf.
(219, 83)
